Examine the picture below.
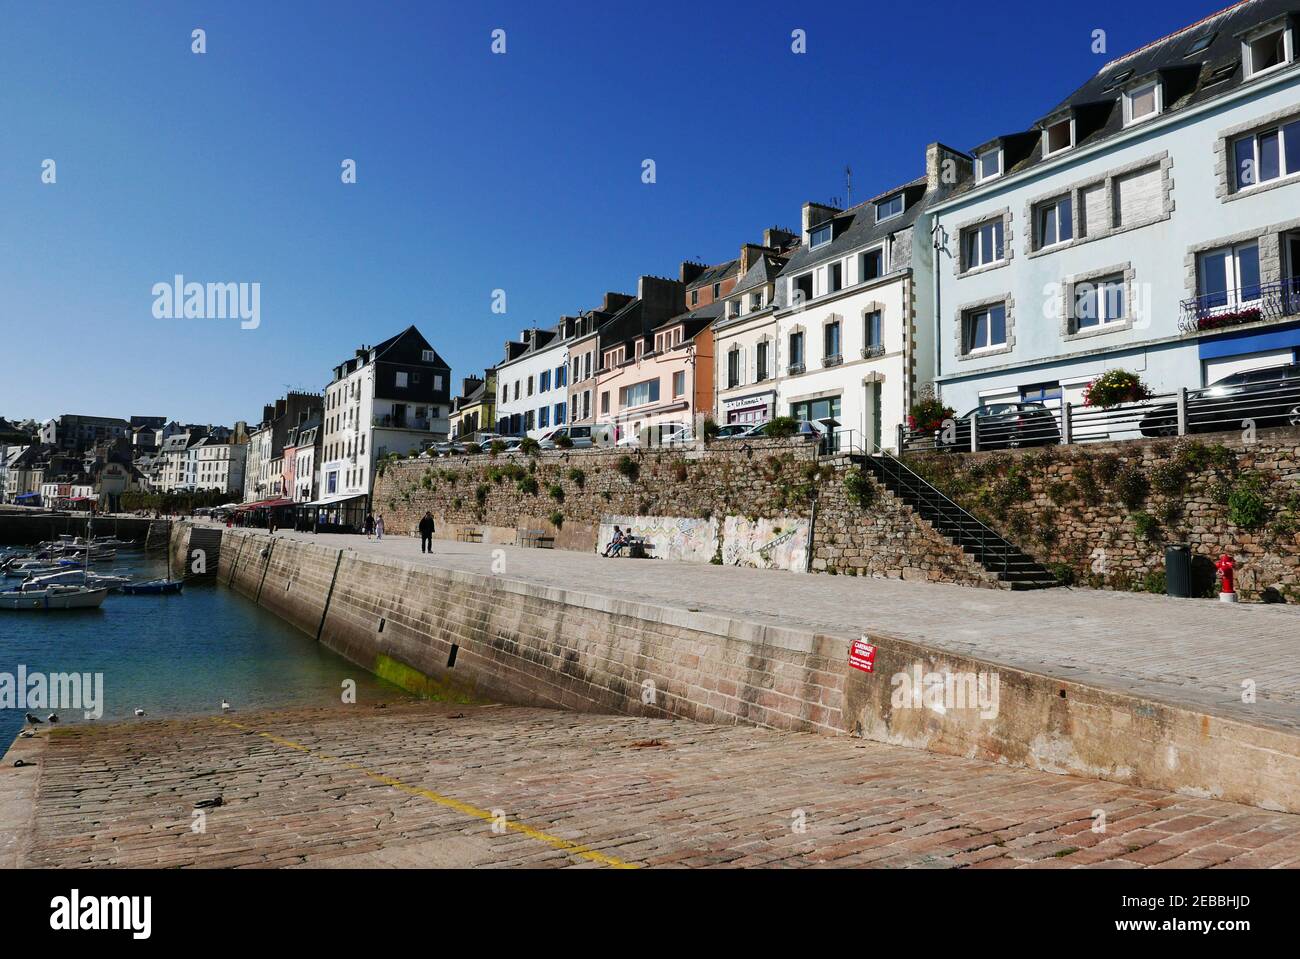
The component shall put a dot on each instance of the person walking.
(379, 527)
(426, 533)
(369, 526)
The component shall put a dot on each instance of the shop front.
(755, 408)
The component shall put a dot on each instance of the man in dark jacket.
(426, 533)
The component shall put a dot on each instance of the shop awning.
(335, 499)
(267, 504)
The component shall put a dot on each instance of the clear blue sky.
(475, 171)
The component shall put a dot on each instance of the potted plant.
(927, 413)
(1115, 387)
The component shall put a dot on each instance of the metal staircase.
(1000, 557)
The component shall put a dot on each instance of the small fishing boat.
(55, 597)
(154, 587)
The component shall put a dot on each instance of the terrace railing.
(1216, 311)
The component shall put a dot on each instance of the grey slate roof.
(1189, 79)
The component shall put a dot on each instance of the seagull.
(139, 711)
(34, 720)
(225, 706)
(52, 717)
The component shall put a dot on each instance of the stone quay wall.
(1104, 513)
(750, 491)
(22, 528)
(463, 636)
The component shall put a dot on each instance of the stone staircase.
(1007, 562)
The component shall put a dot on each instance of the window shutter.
(1092, 211)
(1138, 196)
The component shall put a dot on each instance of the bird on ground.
(139, 711)
(225, 706)
(34, 720)
(52, 718)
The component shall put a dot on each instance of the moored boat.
(154, 587)
(55, 597)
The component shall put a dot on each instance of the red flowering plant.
(927, 413)
(1114, 387)
(1236, 318)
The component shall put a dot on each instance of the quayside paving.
(1194, 654)
(424, 784)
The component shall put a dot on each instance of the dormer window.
(1201, 45)
(889, 207)
(819, 235)
(1266, 50)
(1114, 82)
(733, 308)
(1058, 136)
(1143, 102)
(988, 165)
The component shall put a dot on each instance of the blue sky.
(475, 171)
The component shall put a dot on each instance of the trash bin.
(1178, 571)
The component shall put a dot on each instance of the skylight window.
(1117, 79)
(1223, 73)
(1201, 45)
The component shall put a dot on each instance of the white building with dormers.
(1150, 223)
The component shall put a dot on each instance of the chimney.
(778, 239)
(268, 413)
(614, 302)
(815, 214)
(945, 167)
(690, 272)
(749, 254)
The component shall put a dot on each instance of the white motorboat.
(54, 597)
(75, 577)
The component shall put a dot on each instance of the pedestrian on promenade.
(369, 526)
(270, 522)
(615, 544)
(379, 527)
(426, 533)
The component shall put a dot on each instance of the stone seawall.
(455, 634)
(26, 529)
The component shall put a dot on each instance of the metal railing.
(951, 515)
(1265, 301)
(1261, 404)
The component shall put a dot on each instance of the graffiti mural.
(766, 543)
(679, 538)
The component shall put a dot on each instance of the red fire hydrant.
(1225, 566)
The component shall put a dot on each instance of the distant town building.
(72, 433)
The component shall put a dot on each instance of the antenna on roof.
(848, 186)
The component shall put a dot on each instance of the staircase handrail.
(962, 512)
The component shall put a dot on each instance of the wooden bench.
(638, 547)
(534, 538)
(469, 535)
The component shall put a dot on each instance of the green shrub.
(628, 468)
(710, 429)
(528, 446)
(1168, 478)
(496, 448)
(1246, 506)
(1154, 582)
(861, 489)
(1115, 387)
(556, 492)
(1146, 526)
(1085, 481)
(481, 493)
(1063, 572)
(781, 427)
(557, 519)
(577, 477)
(564, 441)
(1130, 486)
(527, 485)
(426, 480)
(456, 503)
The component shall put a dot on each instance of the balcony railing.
(1215, 311)
(422, 424)
(871, 351)
(795, 369)
(835, 359)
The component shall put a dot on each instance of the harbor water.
(175, 655)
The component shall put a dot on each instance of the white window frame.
(1100, 287)
(968, 319)
(1247, 53)
(828, 227)
(980, 175)
(861, 258)
(1047, 138)
(902, 207)
(1254, 138)
(1158, 90)
(401, 380)
(976, 230)
(1055, 204)
(1232, 272)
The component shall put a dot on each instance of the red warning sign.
(862, 655)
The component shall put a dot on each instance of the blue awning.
(1250, 341)
(27, 496)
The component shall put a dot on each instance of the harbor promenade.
(1198, 654)
(499, 786)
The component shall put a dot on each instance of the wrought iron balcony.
(1215, 311)
(871, 351)
(795, 369)
(835, 359)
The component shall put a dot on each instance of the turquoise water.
(175, 655)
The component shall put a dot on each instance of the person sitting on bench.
(615, 544)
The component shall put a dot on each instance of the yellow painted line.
(449, 802)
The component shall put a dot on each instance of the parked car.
(1270, 396)
(660, 434)
(732, 430)
(580, 435)
(806, 428)
(1003, 426)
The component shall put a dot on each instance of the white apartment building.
(1150, 223)
(533, 383)
(219, 466)
(391, 398)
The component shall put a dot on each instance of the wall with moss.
(1102, 514)
(858, 527)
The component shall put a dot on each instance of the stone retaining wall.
(1107, 511)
